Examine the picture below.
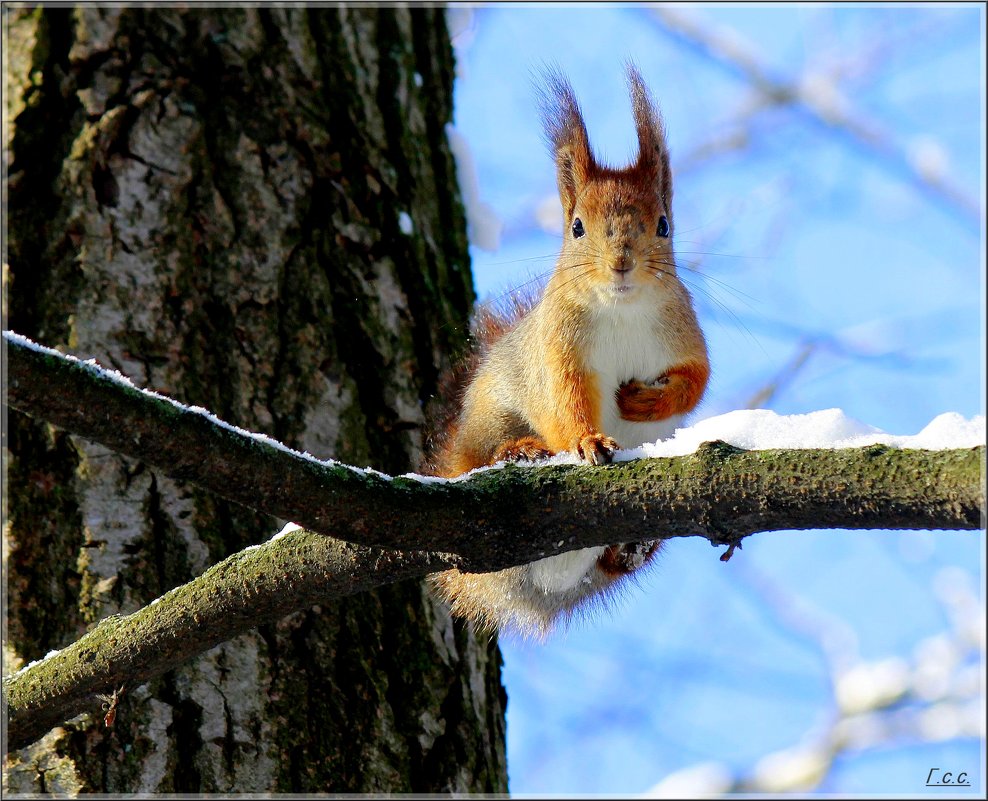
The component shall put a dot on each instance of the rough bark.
(214, 201)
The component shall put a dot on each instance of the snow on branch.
(495, 518)
(263, 583)
(366, 529)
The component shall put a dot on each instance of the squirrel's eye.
(663, 227)
(578, 228)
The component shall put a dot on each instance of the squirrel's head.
(617, 224)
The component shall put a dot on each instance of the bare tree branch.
(259, 585)
(500, 518)
(876, 702)
(492, 520)
(823, 105)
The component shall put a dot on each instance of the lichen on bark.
(208, 201)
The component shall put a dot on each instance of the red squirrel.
(609, 357)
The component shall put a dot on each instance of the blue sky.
(829, 240)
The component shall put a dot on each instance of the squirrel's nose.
(625, 262)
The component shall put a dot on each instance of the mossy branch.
(500, 518)
(380, 529)
(259, 585)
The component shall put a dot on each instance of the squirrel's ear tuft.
(653, 155)
(566, 134)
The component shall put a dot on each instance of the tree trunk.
(254, 211)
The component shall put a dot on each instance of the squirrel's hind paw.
(527, 448)
(596, 448)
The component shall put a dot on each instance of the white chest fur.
(626, 344)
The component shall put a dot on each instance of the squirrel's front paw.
(596, 448)
(640, 402)
(528, 448)
(676, 391)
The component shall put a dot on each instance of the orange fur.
(575, 413)
(674, 392)
(613, 342)
(530, 448)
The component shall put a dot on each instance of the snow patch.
(761, 429)
(703, 780)
(113, 375)
(49, 655)
(869, 685)
(288, 529)
(752, 429)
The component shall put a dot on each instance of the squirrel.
(609, 357)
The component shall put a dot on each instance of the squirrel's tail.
(491, 321)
